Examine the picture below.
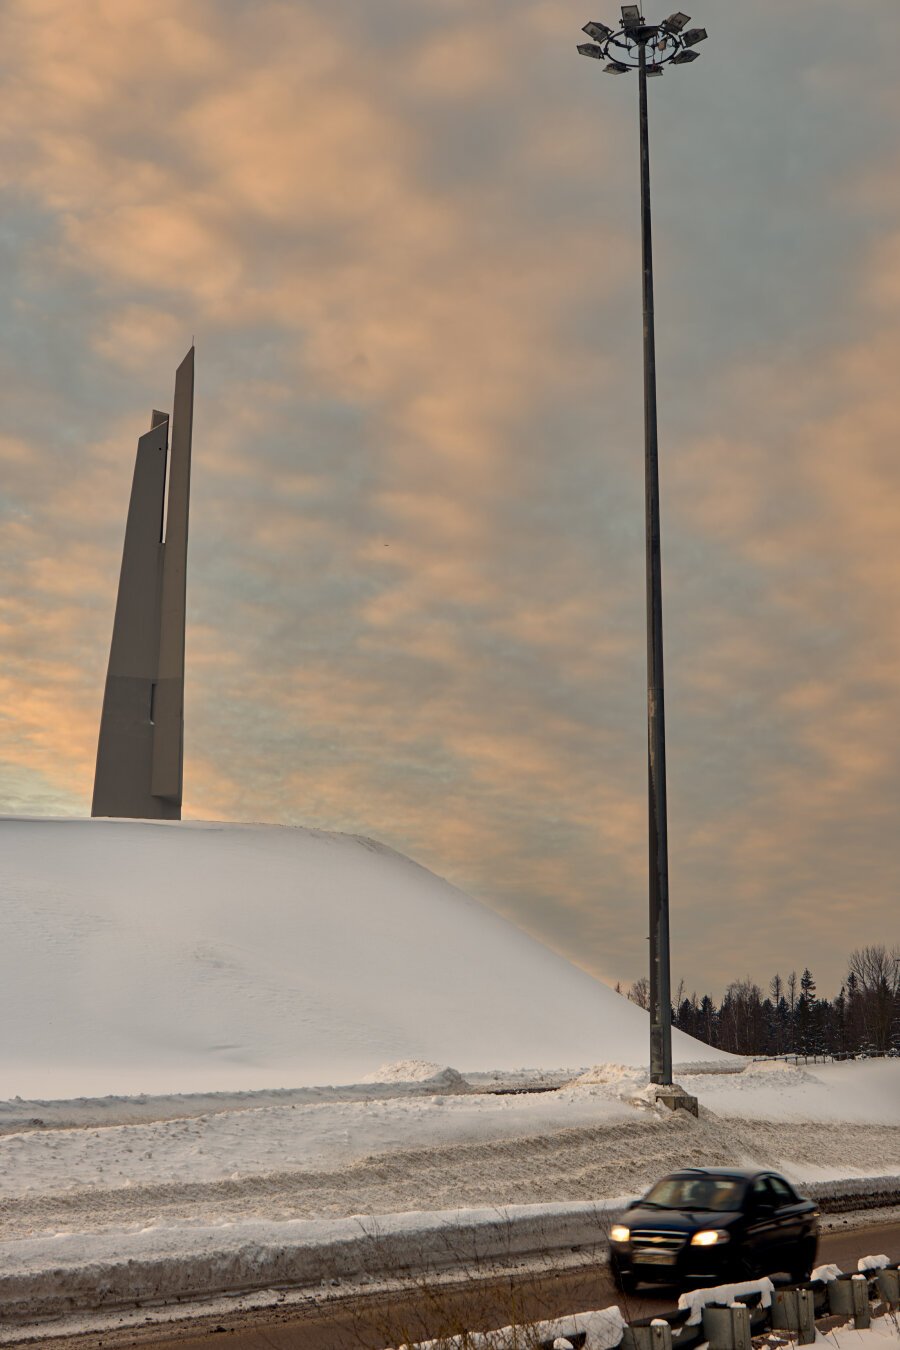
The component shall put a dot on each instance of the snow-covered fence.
(723, 1318)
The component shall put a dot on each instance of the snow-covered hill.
(143, 957)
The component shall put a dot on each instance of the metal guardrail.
(794, 1308)
(730, 1323)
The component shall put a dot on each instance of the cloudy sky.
(405, 237)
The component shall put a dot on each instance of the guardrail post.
(862, 1314)
(656, 1336)
(794, 1310)
(889, 1286)
(727, 1328)
(851, 1298)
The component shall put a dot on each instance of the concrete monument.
(140, 751)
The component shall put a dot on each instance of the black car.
(714, 1225)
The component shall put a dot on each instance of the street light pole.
(627, 50)
(660, 979)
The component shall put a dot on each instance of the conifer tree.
(805, 1013)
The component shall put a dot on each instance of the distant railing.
(798, 1057)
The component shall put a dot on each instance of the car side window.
(762, 1196)
(782, 1191)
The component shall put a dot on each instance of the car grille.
(659, 1239)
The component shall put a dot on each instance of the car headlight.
(619, 1233)
(709, 1237)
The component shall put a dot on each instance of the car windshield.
(718, 1193)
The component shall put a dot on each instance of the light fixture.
(675, 22)
(617, 68)
(654, 70)
(619, 1233)
(599, 31)
(683, 57)
(709, 1237)
(693, 36)
(591, 49)
(631, 16)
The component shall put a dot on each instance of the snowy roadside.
(49, 1276)
(441, 1149)
(591, 1163)
(879, 1336)
(866, 1091)
(283, 1193)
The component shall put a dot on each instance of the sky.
(405, 239)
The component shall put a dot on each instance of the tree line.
(790, 1018)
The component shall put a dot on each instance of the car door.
(763, 1243)
(789, 1220)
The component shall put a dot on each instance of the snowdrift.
(145, 957)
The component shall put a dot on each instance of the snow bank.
(863, 1091)
(47, 1276)
(233, 1145)
(169, 957)
(316, 1152)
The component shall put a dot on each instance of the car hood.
(678, 1220)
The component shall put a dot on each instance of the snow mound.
(616, 1075)
(779, 1070)
(440, 1076)
(867, 1263)
(171, 957)
(825, 1274)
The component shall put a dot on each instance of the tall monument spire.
(141, 746)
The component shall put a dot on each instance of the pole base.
(675, 1098)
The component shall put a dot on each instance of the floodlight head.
(598, 31)
(654, 70)
(683, 57)
(631, 16)
(675, 22)
(693, 36)
(591, 49)
(616, 68)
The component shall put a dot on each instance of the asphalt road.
(378, 1320)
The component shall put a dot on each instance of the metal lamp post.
(649, 48)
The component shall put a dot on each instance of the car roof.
(730, 1173)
